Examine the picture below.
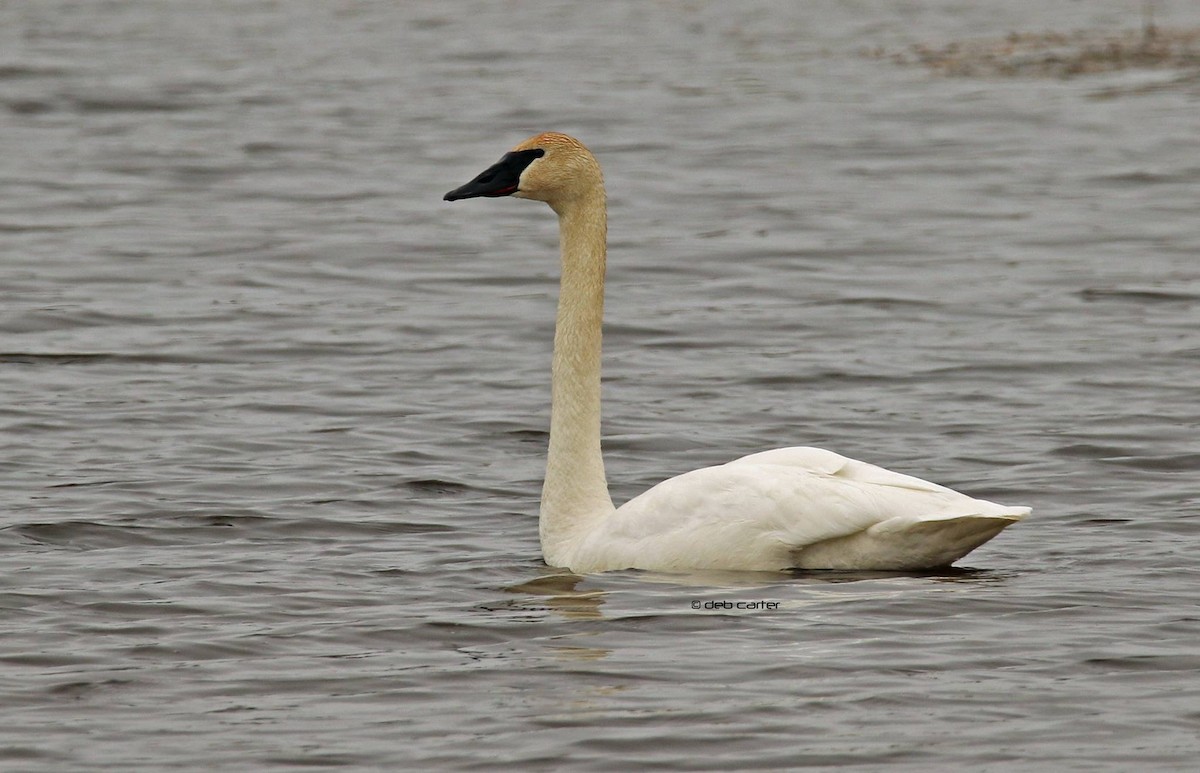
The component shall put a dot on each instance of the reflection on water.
(558, 590)
(576, 597)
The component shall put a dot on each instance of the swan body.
(787, 508)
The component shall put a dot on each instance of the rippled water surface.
(274, 415)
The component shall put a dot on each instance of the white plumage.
(787, 508)
(792, 508)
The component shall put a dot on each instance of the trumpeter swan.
(787, 508)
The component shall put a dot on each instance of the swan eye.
(500, 179)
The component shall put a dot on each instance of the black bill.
(500, 179)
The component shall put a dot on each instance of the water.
(274, 414)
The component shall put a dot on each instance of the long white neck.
(575, 493)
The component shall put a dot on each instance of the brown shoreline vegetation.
(1055, 54)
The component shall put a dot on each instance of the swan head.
(550, 167)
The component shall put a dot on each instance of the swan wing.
(793, 507)
(818, 460)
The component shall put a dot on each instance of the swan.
(789, 508)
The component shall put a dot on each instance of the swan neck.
(575, 494)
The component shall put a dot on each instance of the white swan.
(788, 508)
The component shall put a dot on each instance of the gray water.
(274, 415)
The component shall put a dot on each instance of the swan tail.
(907, 543)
